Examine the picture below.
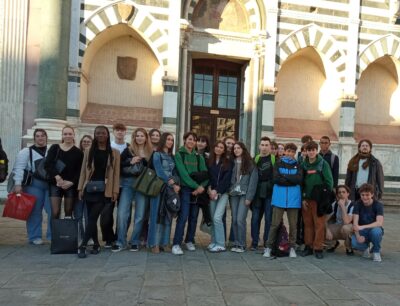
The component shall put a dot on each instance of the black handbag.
(133, 170)
(95, 186)
(64, 236)
(41, 172)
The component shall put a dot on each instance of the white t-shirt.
(119, 147)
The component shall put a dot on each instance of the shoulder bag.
(148, 183)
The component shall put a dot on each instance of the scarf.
(355, 160)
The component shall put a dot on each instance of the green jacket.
(189, 165)
(312, 175)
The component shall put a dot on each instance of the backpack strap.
(332, 159)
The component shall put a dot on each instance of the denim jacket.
(164, 165)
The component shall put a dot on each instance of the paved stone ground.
(29, 275)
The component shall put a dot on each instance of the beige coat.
(112, 175)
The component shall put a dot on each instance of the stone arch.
(129, 13)
(251, 7)
(386, 45)
(313, 36)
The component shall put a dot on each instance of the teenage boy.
(331, 158)
(119, 132)
(316, 172)
(367, 223)
(339, 224)
(187, 162)
(107, 215)
(286, 195)
(262, 205)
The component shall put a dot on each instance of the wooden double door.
(215, 102)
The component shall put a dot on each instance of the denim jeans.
(188, 212)
(40, 190)
(263, 208)
(124, 210)
(80, 214)
(159, 233)
(372, 235)
(239, 215)
(217, 209)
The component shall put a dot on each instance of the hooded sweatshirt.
(189, 164)
(312, 175)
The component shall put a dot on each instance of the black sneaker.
(349, 252)
(319, 254)
(95, 250)
(307, 251)
(117, 248)
(332, 249)
(82, 252)
(134, 248)
(254, 248)
(108, 245)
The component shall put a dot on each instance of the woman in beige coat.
(98, 183)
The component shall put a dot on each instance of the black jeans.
(107, 222)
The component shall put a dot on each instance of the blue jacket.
(220, 179)
(288, 175)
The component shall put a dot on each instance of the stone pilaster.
(13, 28)
(268, 112)
(74, 75)
(53, 67)
(170, 105)
(347, 117)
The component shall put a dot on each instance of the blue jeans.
(80, 213)
(124, 211)
(40, 190)
(239, 215)
(263, 208)
(372, 235)
(188, 212)
(159, 233)
(217, 209)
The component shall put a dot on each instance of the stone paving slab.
(31, 276)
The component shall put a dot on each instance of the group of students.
(101, 173)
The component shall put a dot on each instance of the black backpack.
(3, 165)
(281, 246)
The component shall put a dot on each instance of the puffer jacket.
(287, 179)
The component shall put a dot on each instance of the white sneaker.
(234, 248)
(292, 253)
(90, 242)
(240, 249)
(366, 253)
(37, 241)
(217, 249)
(176, 250)
(211, 245)
(267, 253)
(377, 257)
(190, 246)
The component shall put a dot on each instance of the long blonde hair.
(147, 147)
